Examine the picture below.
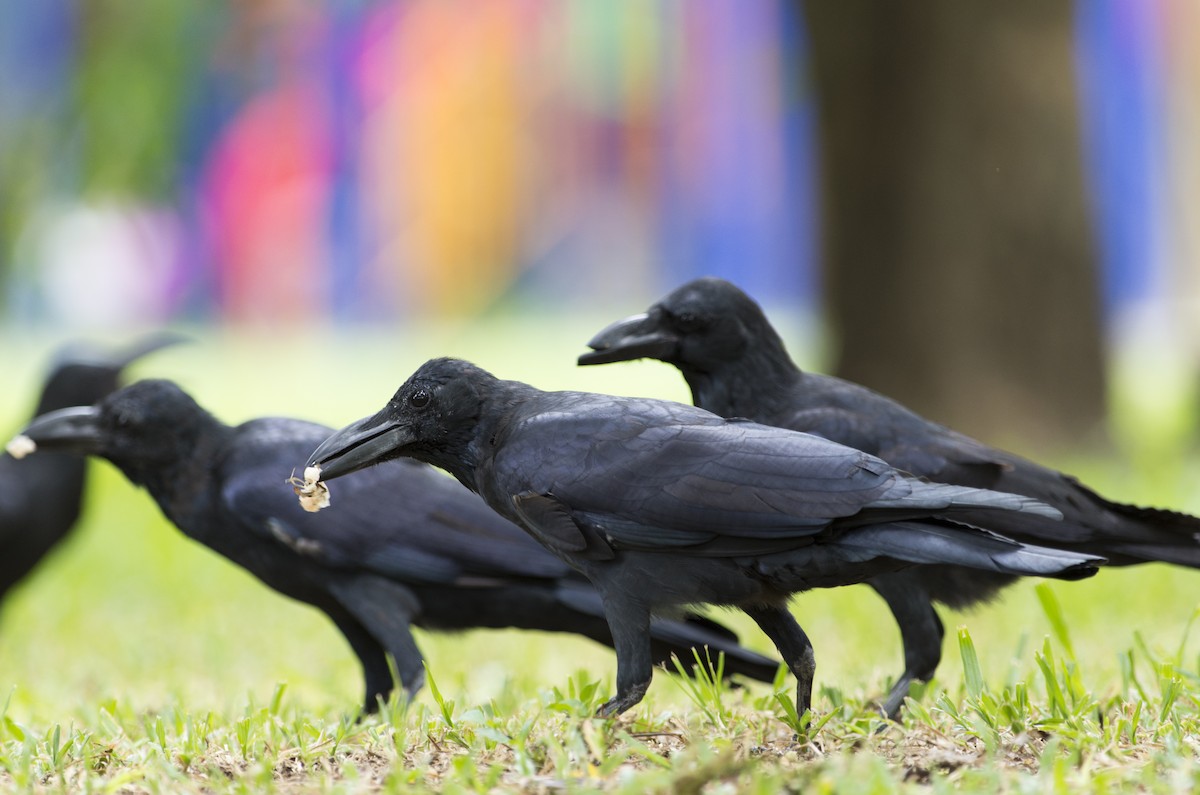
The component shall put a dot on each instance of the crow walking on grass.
(406, 546)
(40, 499)
(736, 366)
(663, 505)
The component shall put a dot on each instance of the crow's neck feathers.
(500, 408)
(762, 376)
(175, 478)
(469, 433)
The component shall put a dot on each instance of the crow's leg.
(630, 625)
(385, 609)
(395, 633)
(372, 658)
(794, 646)
(921, 633)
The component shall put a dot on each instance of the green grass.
(137, 661)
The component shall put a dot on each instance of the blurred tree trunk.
(958, 255)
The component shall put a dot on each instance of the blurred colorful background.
(363, 160)
(271, 160)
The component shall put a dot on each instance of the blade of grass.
(971, 670)
(1054, 614)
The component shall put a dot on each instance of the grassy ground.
(137, 661)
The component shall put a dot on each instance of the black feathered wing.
(651, 475)
(858, 417)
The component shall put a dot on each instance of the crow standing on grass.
(663, 505)
(407, 545)
(736, 366)
(40, 500)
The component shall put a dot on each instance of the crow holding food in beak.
(403, 546)
(663, 505)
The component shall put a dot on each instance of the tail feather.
(949, 499)
(1124, 534)
(1138, 534)
(1174, 522)
(931, 543)
(1134, 553)
(696, 632)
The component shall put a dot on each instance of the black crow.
(663, 505)
(736, 366)
(40, 499)
(407, 545)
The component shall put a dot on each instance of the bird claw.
(609, 709)
(896, 697)
(622, 701)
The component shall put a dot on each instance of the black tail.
(1132, 534)
(1123, 534)
(681, 637)
(932, 543)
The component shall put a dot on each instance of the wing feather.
(661, 475)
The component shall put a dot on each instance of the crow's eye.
(419, 399)
(687, 321)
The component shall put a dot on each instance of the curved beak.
(75, 429)
(86, 354)
(359, 445)
(636, 337)
(147, 345)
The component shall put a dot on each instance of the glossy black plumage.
(662, 505)
(736, 366)
(403, 545)
(40, 496)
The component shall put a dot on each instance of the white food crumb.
(21, 446)
(313, 494)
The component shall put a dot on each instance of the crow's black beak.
(75, 429)
(636, 337)
(359, 445)
(87, 355)
(147, 345)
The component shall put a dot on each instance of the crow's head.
(140, 428)
(77, 383)
(699, 327)
(432, 417)
(82, 375)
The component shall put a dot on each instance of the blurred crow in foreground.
(663, 505)
(407, 545)
(736, 366)
(40, 499)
